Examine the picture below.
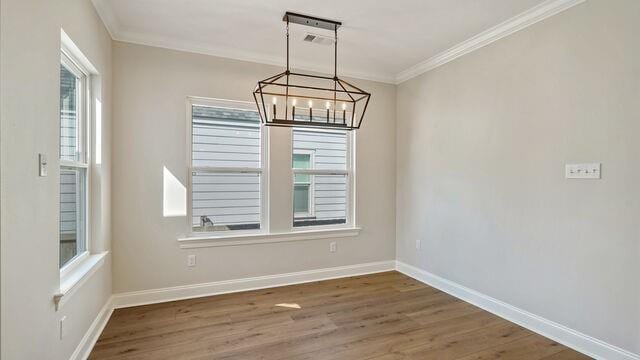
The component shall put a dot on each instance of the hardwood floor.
(385, 316)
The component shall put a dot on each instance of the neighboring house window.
(302, 185)
(74, 159)
(226, 167)
(322, 171)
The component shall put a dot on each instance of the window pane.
(225, 201)
(301, 200)
(301, 161)
(329, 149)
(72, 213)
(326, 197)
(69, 112)
(224, 137)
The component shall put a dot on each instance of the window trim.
(309, 233)
(85, 120)
(349, 172)
(81, 268)
(263, 170)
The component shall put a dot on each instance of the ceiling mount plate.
(311, 21)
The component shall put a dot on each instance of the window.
(302, 185)
(228, 194)
(321, 171)
(74, 159)
(226, 167)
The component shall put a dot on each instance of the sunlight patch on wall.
(174, 200)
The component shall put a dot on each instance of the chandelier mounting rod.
(316, 22)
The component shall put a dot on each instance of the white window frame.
(311, 199)
(262, 171)
(349, 172)
(83, 145)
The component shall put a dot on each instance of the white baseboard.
(153, 296)
(576, 340)
(93, 333)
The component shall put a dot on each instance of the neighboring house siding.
(227, 199)
(226, 138)
(68, 199)
(68, 139)
(329, 153)
(231, 138)
(68, 180)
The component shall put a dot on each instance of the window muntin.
(321, 169)
(73, 201)
(226, 168)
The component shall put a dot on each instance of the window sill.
(71, 280)
(249, 239)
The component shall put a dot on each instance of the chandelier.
(293, 99)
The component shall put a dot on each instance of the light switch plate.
(42, 165)
(583, 171)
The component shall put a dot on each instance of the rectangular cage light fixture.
(305, 100)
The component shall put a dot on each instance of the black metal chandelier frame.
(287, 86)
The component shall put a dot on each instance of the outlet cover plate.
(191, 260)
(42, 165)
(583, 171)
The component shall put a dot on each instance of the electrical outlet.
(191, 260)
(63, 330)
(333, 246)
(418, 244)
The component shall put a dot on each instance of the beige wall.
(481, 148)
(151, 86)
(29, 70)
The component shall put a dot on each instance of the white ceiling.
(379, 39)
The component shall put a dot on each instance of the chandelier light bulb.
(344, 106)
(294, 101)
(328, 105)
(275, 100)
(310, 104)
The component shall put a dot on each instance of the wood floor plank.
(208, 341)
(532, 347)
(133, 322)
(567, 354)
(468, 342)
(384, 316)
(397, 341)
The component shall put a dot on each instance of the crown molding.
(235, 54)
(534, 15)
(108, 16)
